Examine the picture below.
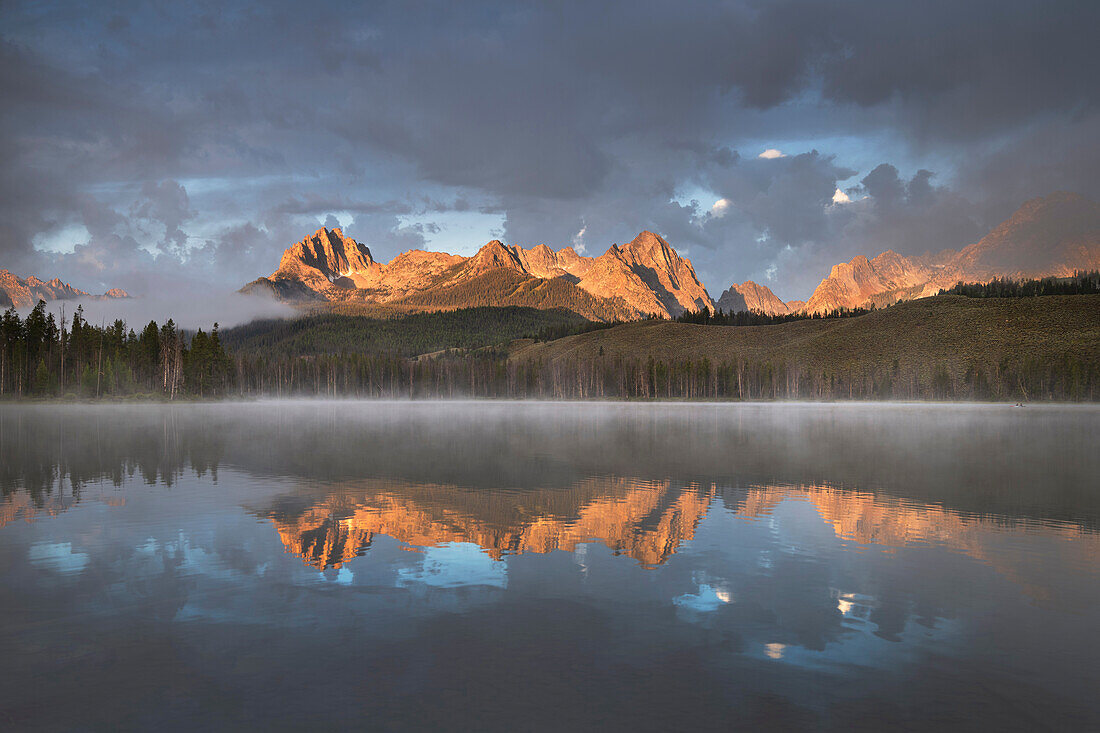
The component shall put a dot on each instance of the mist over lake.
(522, 565)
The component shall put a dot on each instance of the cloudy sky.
(151, 146)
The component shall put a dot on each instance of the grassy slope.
(950, 330)
(409, 335)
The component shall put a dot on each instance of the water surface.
(525, 566)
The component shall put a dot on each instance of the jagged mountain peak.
(494, 255)
(647, 240)
(650, 275)
(326, 255)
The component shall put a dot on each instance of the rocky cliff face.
(410, 272)
(643, 277)
(22, 293)
(541, 261)
(649, 275)
(490, 258)
(883, 280)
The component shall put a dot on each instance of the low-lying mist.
(978, 457)
(190, 309)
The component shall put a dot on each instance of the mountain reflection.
(644, 520)
(532, 479)
(756, 552)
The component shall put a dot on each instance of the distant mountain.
(749, 296)
(886, 279)
(1050, 236)
(22, 293)
(643, 277)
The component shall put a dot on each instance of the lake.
(538, 566)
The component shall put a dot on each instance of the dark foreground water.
(495, 566)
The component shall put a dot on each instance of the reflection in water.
(58, 556)
(454, 564)
(645, 520)
(585, 566)
(649, 521)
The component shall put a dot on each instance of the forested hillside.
(408, 335)
(945, 347)
(1082, 283)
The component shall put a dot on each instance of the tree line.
(43, 357)
(490, 374)
(1081, 283)
(755, 318)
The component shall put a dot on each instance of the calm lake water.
(490, 566)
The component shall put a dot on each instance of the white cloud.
(719, 209)
(841, 198)
(578, 240)
(772, 154)
(709, 598)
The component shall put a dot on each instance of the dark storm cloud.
(202, 138)
(165, 204)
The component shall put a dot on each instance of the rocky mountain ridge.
(1049, 236)
(642, 277)
(21, 293)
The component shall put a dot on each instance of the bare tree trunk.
(99, 365)
(62, 350)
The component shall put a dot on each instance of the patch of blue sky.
(459, 232)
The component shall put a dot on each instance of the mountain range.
(15, 291)
(643, 277)
(1049, 236)
(1053, 235)
(646, 521)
